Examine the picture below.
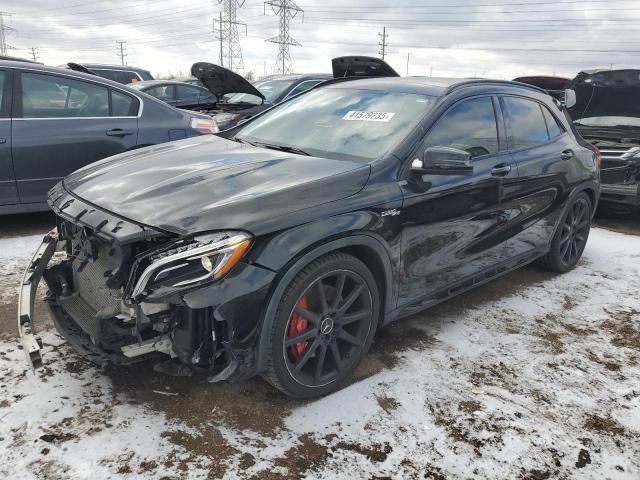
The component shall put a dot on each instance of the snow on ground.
(15, 252)
(540, 382)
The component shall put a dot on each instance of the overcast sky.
(491, 38)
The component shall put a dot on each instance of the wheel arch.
(363, 246)
(591, 188)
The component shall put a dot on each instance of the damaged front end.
(120, 292)
(607, 115)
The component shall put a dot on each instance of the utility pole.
(34, 53)
(228, 28)
(121, 50)
(4, 30)
(286, 10)
(408, 56)
(383, 42)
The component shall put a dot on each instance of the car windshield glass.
(340, 123)
(609, 121)
(271, 89)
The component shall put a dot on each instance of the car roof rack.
(477, 81)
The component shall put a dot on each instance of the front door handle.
(567, 154)
(119, 132)
(500, 170)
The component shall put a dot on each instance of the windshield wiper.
(282, 148)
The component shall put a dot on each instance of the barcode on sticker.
(355, 115)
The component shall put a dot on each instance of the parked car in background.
(607, 114)
(281, 245)
(118, 73)
(178, 94)
(57, 120)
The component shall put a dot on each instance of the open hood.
(351, 66)
(545, 82)
(601, 93)
(76, 67)
(221, 81)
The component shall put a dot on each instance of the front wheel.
(323, 327)
(571, 237)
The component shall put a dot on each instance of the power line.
(121, 50)
(383, 41)
(286, 10)
(228, 29)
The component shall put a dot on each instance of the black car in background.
(123, 74)
(607, 114)
(54, 121)
(178, 94)
(281, 245)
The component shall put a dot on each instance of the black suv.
(280, 246)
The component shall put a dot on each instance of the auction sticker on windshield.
(368, 116)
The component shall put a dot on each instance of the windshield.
(271, 89)
(340, 122)
(609, 121)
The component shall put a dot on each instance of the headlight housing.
(204, 259)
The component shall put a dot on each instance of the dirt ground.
(465, 390)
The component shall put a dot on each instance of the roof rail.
(472, 82)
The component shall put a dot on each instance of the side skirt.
(462, 286)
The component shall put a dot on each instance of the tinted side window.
(189, 92)
(163, 92)
(119, 76)
(554, 128)
(48, 96)
(122, 105)
(525, 126)
(470, 125)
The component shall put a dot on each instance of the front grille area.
(612, 156)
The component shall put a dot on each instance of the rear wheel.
(571, 238)
(324, 326)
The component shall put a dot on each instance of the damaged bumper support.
(26, 303)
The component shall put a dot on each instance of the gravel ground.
(534, 376)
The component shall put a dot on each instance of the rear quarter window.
(526, 126)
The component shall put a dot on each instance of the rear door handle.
(500, 170)
(567, 155)
(118, 132)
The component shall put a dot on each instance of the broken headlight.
(206, 258)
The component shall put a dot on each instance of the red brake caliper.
(298, 325)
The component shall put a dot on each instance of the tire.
(571, 237)
(315, 344)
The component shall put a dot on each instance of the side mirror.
(443, 161)
(570, 99)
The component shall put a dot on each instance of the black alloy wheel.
(575, 231)
(571, 237)
(326, 323)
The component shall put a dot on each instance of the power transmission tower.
(34, 53)
(4, 30)
(228, 29)
(121, 50)
(286, 10)
(220, 36)
(383, 42)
